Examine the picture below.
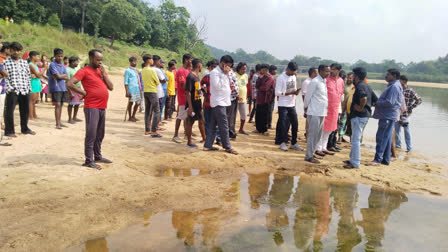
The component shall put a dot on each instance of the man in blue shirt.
(132, 85)
(57, 75)
(387, 111)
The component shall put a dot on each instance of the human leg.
(221, 119)
(383, 139)
(24, 108)
(147, 112)
(293, 121)
(155, 109)
(11, 100)
(100, 132)
(92, 120)
(407, 136)
(398, 135)
(358, 125)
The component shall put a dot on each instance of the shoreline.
(48, 201)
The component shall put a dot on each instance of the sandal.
(313, 160)
(156, 136)
(103, 160)
(192, 145)
(211, 149)
(232, 151)
(92, 165)
(5, 144)
(373, 163)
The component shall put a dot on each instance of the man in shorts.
(193, 95)
(57, 75)
(181, 77)
(132, 86)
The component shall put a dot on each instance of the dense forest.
(133, 21)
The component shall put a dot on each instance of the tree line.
(133, 21)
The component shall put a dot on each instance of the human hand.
(227, 69)
(190, 112)
(128, 95)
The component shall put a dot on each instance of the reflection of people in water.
(313, 216)
(97, 245)
(277, 218)
(345, 200)
(258, 188)
(381, 205)
(183, 221)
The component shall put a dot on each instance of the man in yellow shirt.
(171, 90)
(150, 83)
(243, 79)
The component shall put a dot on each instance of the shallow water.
(275, 212)
(181, 172)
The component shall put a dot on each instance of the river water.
(277, 212)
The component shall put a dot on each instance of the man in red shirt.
(96, 84)
(181, 78)
(265, 86)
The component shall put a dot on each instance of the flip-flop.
(211, 149)
(192, 145)
(373, 164)
(104, 161)
(313, 160)
(232, 151)
(156, 136)
(244, 133)
(5, 144)
(92, 165)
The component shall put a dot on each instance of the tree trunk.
(84, 5)
(113, 39)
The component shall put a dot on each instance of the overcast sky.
(344, 30)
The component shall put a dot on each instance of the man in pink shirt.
(335, 89)
(181, 78)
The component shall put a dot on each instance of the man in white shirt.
(219, 101)
(286, 90)
(312, 73)
(316, 107)
(162, 79)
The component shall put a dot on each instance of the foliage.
(54, 21)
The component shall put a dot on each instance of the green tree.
(120, 20)
(54, 21)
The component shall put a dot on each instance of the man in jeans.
(412, 100)
(286, 90)
(361, 109)
(219, 101)
(150, 82)
(96, 84)
(387, 110)
(18, 87)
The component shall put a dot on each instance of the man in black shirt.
(194, 105)
(361, 109)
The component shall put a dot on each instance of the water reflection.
(181, 172)
(271, 212)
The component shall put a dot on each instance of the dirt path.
(48, 202)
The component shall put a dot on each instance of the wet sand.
(48, 202)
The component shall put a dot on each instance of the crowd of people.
(336, 104)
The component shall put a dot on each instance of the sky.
(343, 30)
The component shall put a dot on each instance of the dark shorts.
(59, 97)
(197, 116)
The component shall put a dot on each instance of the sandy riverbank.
(48, 202)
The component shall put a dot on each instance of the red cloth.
(96, 88)
(249, 88)
(175, 80)
(265, 89)
(206, 82)
(181, 78)
(335, 89)
(26, 56)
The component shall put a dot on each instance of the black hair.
(93, 51)
(171, 63)
(240, 65)
(146, 57)
(272, 68)
(322, 67)
(156, 57)
(257, 67)
(360, 72)
(186, 57)
(311, 71)
(5, 46)
(143, 65)
(337, 66)
(65, 57)
(342, 74)
(293, 66)
(16, 46)
(226, 59)
(32, 54)
(394, 72)
(132, 59)
(263, 66)
(214, 62)
(252, 71)
(209, 63)
(58, 51)
(350, 73)
(404, 78)
(196, 62)
(173, 60)
(72, 59)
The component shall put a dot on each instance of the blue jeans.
(407, 136)
(358, 125)
(384, 140)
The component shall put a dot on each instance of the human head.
(359, 74)
(43, 58)
(156, 60)
(212, 64)
(95, 58)
(257, 68)
(171, 65)
(349, 80)
(335, 69)
(272, 70)
(312, 72)
(251, 73)
(5, 48)
(34, 56)
(226, 60)
(147, 59)
(404, 81)
(187, 60)
(58, 55)
(241, 68)
(264, 68)
(15, 49)
(196, 65)
(65, 60)
(161, 64)
(292, 68)
(392, 75)
(73, 61)
(324, 71)
(343, 75)
(133, 61)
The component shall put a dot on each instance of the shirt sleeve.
(80, 74)
(309, 93)
(417, 100)
(217, 82)
(390, 97)
(126, 78)
(280, 88)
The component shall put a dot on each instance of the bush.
(54, 21)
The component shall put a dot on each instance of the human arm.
(389, 97)
(106, 79)
(188, 86)
(416, 101)
(72, 87)
(56, 75)
(309, 94)
(218, 81)
(362, 103)
(127, 77)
